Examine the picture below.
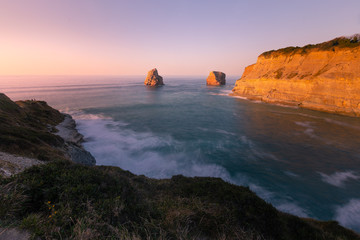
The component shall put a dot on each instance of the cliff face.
(323, 77)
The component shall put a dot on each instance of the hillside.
(26, 129)
(324, 77)
(64, 200)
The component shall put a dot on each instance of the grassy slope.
(24, 129)
(64, 200)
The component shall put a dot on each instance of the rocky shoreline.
(73, 142)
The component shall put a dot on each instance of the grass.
(26, 126)
(340, 42)
(63, 200)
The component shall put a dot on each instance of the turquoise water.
(303, 162)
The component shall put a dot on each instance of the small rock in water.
(153, 78)
(216, 78)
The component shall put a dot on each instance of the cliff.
(324, 77)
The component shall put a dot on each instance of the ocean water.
(303, 162)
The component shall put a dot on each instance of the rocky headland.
(216, 78)
(32, 133)
(153, 78)
(324, 77)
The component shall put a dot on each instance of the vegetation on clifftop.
(340, 42)
(63, 200)
(26, 126)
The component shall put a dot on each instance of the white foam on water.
(304, 124)
(290, 207)
(222, 93)
(224, 132)
(113, 143)
(348, 215)
(341, 123)
(285, 205)
(309, 129)
(338, 179)
(256, 152)
(291, 174)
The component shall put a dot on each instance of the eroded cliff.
(323, 77)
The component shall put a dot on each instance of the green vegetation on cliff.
(26, 126)
(340, 42)
(64, 200)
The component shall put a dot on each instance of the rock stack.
(153, 78)
(216, 78)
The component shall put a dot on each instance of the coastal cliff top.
(337, 43)
(335, 59)
(26, 126)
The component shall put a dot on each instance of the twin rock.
(215, 78)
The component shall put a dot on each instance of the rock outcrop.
(73, 142)
(216, 78)
(324, 77)
(153, 78)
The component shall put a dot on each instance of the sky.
(178, 37)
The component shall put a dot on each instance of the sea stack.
(323, 77)
(216, 78)
(153, 78)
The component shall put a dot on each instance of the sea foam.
(338, 179)
(160, 156)
(349, 214)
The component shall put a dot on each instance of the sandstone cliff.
(323, 77)
(216, 78)
(153, 78)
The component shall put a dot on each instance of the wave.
(287, 205)
(309, 129)
(348, 215)
(112, 143)
(291, 174)
(338, 179)
(341, 123)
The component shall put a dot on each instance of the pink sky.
(89, 37)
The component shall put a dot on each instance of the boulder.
(216, 78)
(153, 78)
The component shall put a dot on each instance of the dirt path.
(11, 164)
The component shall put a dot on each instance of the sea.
(303, 162)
